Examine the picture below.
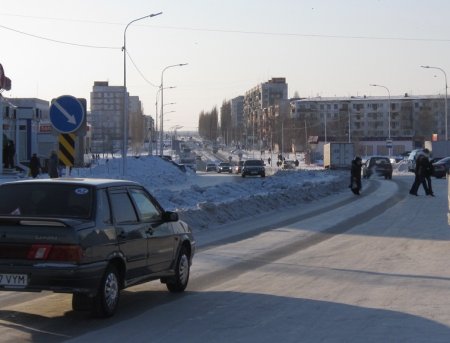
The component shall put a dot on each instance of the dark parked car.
(378, 165)
(253, 167)
(91, 238)
(224, 167)
(441, 167)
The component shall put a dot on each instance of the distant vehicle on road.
(377, 165)
(288, 164)
(91, 238)
(224, 167)
(441, 167)
(211, 167)
(253, 168)
(237, 169)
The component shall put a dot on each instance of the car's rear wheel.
(178, 283)
(106, 301)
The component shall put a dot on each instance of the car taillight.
(60, 253)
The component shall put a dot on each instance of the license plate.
(13, 280)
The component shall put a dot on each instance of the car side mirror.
(170, 216)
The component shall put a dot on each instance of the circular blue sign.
(66, 114)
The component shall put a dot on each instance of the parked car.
(224, 167)
(91, 238)
(237, 169)
(378, 165)
(211, 167)
(441, 167)
(253, 167)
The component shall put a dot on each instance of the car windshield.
(46, 200)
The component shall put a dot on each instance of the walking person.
(355, 175)
(35, 166)
(429, 170)
(420, 173)
(53, 165)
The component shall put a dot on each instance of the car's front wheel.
(106, 301)
(179, 281)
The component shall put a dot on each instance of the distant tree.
(225, 121)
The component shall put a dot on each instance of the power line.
(58, 41)
(140, 73)
(266, 33)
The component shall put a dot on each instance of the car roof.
(78, 181)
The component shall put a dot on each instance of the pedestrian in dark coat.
(420, 174)
(429, 170)
(35, 166)
(355, 178)
(53, 165)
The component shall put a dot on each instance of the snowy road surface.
(338, 270)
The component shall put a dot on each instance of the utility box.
(338, 155)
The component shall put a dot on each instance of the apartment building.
(106, 117)
(406, 120)
(257, 99)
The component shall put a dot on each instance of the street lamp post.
(156, 116)
(125, 98)
(162, 103)
(445, 76)
(389, 114)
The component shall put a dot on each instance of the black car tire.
(106, 301)
(178, 283)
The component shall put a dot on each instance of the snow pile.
(202, 205)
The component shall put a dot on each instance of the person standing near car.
(420, 174)
(35, 166)
(355, 175)
(429, 170)
(53, 165)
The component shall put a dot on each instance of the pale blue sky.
(322, 47)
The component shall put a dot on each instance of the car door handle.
(150, 231)
(122, 235)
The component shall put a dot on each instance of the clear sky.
(321, 47)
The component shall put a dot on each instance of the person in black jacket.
(422, 162)
(355, 179)
(35, 166)
(429, 170)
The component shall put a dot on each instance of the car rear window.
(46, 200)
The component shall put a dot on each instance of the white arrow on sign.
(70, 118)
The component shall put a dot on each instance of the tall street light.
(445, 76)
(156, 114)
(162, 104)
(389, 115)
(125, 98)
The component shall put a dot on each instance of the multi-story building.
(106, 118)
(405, 120)
(256, 100)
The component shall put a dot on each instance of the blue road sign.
(66, 114)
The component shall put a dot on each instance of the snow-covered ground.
(204, 202)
